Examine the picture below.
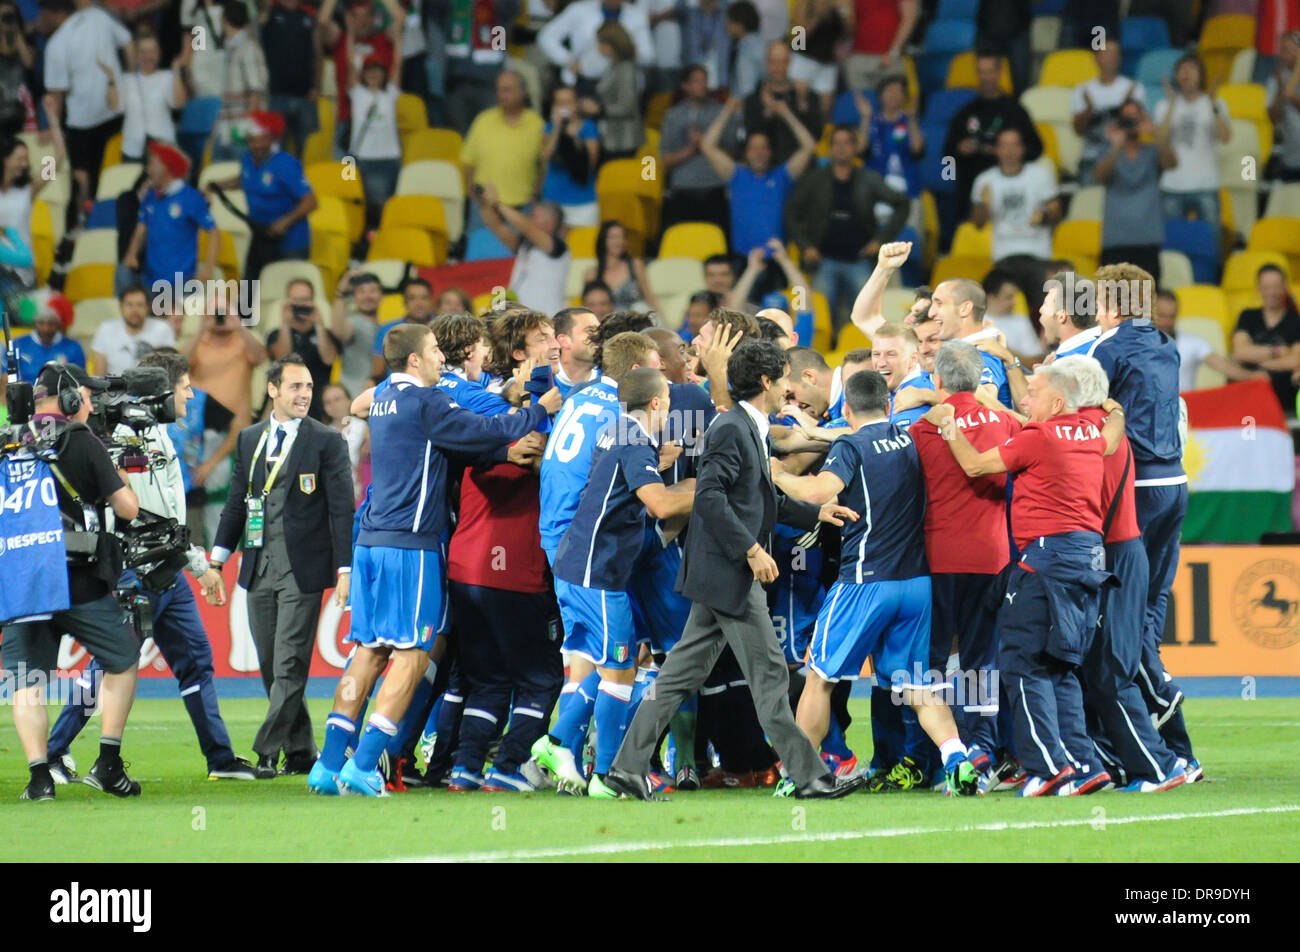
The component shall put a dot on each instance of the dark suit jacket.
(317, 511)
(736, 505)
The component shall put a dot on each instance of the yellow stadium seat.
(112, 152)
(325, 104)
(319, 147)
(1074, 238)
(1246, 104)
(90, 281)
(1051, 146)
(960, 266)
(391, 307)
(693, 239)
(440, 178)
(629, 212)
(330, 215)
(412, 244)
(330, 253)
(443, 144)
(629, 177)
(961, 73)
(418, 211)
(1278, 234)
(227, 255)
(972, 242)
(1242, 269)
(851, 338)
(656, 108)
(411, 115)
(343, 181)
(582, 241)
(1202, 300)
(1068, 68)
(1221, 38)
(929, 229)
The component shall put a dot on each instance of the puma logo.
(1011, 597)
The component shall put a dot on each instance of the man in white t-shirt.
(542, 258)
(81, 59)
(1194, 351)
(118, 345)
(1022, 201)
(1098, 101)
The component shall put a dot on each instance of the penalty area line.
(612, 849)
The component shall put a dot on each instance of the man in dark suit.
(290, 504)
(726, 561)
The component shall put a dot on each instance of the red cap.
(374, 59)
(173, 159)
(266, 124)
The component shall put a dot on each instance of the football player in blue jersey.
(399, 600)
(574, 327)
(593, 566)
(880, 606)
(958, 305)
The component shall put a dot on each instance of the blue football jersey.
(608, 530)
(905, 418)
(884, 485)
(567, 459)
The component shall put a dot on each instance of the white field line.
(611, 849)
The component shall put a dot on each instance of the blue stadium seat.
(957, 9)
(103, 214)
(1196, 240)
(943, 39)
(932, 164)
(1138, 35)
(943, 104)
(197, 120)
(483, 245)
(911, 270)
(1156, 65)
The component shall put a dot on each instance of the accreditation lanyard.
(254, 532)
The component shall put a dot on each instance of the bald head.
(778, 316)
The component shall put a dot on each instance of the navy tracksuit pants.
(1160, 512)
(178, 633)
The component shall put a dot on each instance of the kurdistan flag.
(1240, 464)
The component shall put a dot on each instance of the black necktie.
(274, 455)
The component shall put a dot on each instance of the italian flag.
(1240, 464)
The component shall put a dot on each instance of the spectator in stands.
(1194, 351)
(892, 141)
(165, 246)
(826, 25)
(279, 197)
(1132, 226)
(880, 28)
(542, 258)
(302, 331)
(417, 296)
(571, 43)
(719, 274)
(698, 309)
(86, 37)
(473, 61)
(18, 190)
(205, 76)
(571, 149)
(453, 301)
(147, 96)
(375, 143)
(763, 115)
(598, 298)
(17, 107)
(337, 403)
(1002, 27)
(244, 86)
(413, 51)
(695, 192)
(622, 273)
(118, 345)
(772, 264)
(355, 324)
(745, 53)
(1022, 202)
(293, 60)
(758, 187)
(706, 42)
(504, 146)
(1268, 337)
(616, 103)
(1194, 125)
(1096, 103)
(47, 342)
(831, 218)
(973, 132)
(1021, 335)
(360, 37)
(664, 17)
(1283, 93)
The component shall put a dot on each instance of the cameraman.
(94, 617)
(177, 629)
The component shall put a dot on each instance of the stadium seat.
(576, 278)
(1243, 67)
(972, 242)
(1196, 240)
(960, 266)
(325, 113)
(275, 278)
(1242, 269)
(1138, 35)
(442, 179)
(227, 253)
(329, 178)
(669, 276)
(1087, 204)
(1075, 238)
(411, 244)
(319, 147)
(1068, 68)
(943, 104)
(1047, 103)
(231, 223)
(484, 245)
(692, 239)
(1044, 37)
(330, 253)
(219, 172)
(112, 152)
(1246, 102)
(582, 241)
(1212, 332)
(1221, 37)
(197, 119)
(391, 307)
(1203, 300)
(391, 272)
(1175, 270)
(90, 281)
(957, 9)
(896, 303)
(411, 115)
(1051, 145)
(330, 215)
(441, 144)
(103, 214)
(851, 338)
(943, 39)
(656, 108)
(116, 179)
(961, 73)
(94, 246)
(1155, 66)
(622, 178)
(1278, 234)
(88, 315)
(424, 212)
(1284, 201)
(43, 241)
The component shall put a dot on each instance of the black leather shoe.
(632, 786)
(295, 764)
(831, 788)
(266, 766)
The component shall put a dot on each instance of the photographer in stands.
(87, 484)
(176, 627)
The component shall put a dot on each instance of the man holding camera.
(292, 481)
(302, 331)
(177, 629)
(88, 485)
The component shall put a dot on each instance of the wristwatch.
(1015, 362)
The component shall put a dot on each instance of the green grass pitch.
(1247, 810)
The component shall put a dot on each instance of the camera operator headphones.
(70, 399)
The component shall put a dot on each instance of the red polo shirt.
(1058, 466)
(497, 542)
(1124, 525)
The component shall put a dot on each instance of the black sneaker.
(42, 789)
(297, 764)
(64, 770)
(688, 779)
(237, 769)
(409, 774)
(266, 767)
(111, 778)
